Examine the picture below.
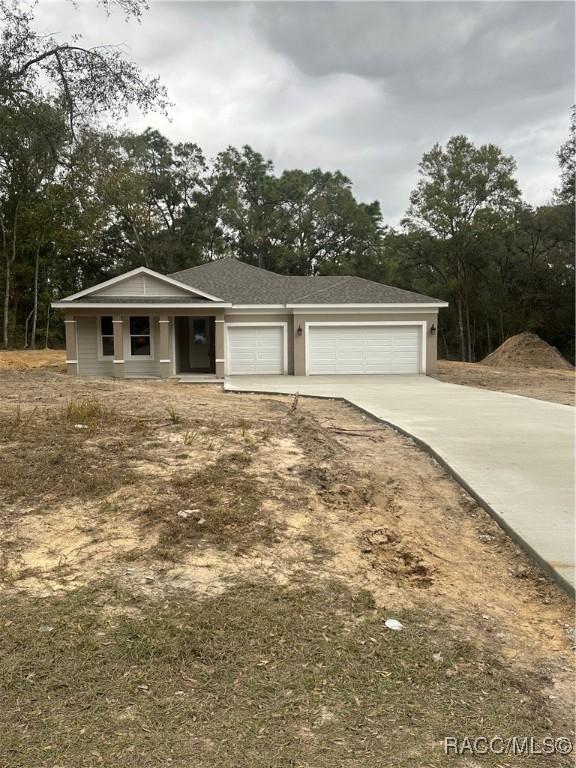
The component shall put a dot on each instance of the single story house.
(229, 318)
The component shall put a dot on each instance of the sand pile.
(526, 350)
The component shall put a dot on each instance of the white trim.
(70, 321)
(368, 311)
(218, 321)
(140, 271)
(118, 361)
(256, 325)
(164, 361)
(164, 321)
(117, 321)
(277, 310)
(106, 308)
(382, 305)
(423, 340)
(102, 357)
(219, 360)
(71, 361)
(127, 339)
(260, 306)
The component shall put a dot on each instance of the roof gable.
(142, 282)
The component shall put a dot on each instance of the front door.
(195, 345)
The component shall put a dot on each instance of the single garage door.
(364, 349)
(255, 349)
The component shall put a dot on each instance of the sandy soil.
(344, 497)
(556, 386)
(24, 359)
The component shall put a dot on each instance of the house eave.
(381, 305)
(112, 306)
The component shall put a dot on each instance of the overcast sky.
(365, 88)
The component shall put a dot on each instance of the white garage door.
(255, 349)
(364, 349)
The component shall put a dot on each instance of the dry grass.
(260, 677)
(77, 450)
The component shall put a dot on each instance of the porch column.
(219, 344)
(164, 353)
(71, 345)
(119, 363)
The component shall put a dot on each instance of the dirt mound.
(526, 350)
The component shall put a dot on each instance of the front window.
(140, 336)
(106, 336)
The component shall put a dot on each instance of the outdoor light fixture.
(299, 331)
(432, 329)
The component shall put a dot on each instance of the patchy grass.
(258, 677)
(77, 450)
(220, 504)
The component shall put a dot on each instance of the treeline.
(79, 204)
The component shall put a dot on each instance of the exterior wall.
(82, 337)
(269, 318)
(71, 345)
(301, 318)
(88, 362)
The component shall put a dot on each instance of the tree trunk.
(47, 331)
(10, 259)
(26, 325)
(468, 330)
(461, 333)
(445, 344)
(35, 306)
(48, 300)
(6, 308)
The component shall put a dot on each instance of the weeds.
(87, 411)
(174, 416)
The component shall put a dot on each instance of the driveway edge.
(513, 534)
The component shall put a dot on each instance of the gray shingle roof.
(234, 281)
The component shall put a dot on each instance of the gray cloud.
(361, 87)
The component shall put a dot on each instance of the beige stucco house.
(229, 318)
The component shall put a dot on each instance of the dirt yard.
(557, 385)
(189, 577)
(24, 359)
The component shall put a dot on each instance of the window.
(140, 345)
(106, 336)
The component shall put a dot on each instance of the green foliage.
(566, 194)
(80, 204)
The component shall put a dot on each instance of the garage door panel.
(370, 349)
(255, 349)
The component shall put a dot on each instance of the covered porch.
(144, 342)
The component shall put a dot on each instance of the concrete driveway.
(515, 453)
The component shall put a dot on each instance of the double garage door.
(369, 349)
(331, 349)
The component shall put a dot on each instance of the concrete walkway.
(515, 453)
